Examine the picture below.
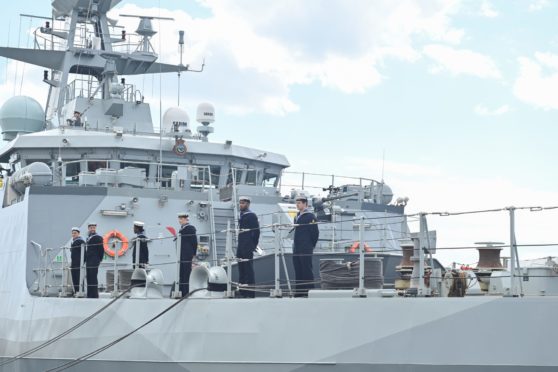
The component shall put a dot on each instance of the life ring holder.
(356, 246)
(115, 235)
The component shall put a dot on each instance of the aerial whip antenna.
(181, 47)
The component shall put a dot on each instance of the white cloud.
(537, 83)
(485, 111)
(537, 5)
(267, 47)
(257, 51)
(547, 60)
(349, 75)
(22, 79)
(461, 62)
(487, 10)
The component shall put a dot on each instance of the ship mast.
(86, 47)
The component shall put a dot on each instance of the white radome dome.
(176, 120)
(21, 115)
(205, 113)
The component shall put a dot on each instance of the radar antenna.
(145, 30)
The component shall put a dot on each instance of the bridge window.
(93, 165)
(270, 180)
(201, 174)
(237, 174)
(72, 173)
(251, 177)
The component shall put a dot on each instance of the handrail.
(129, 93)
(422, 249)
(334, 179)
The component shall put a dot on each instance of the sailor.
(306, 235)
(93, 257)
(188, 248)
(248, 238)
(75, 254)
(144, 250)
(76, 121)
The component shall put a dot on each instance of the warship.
(381, 302)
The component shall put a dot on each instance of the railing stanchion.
(361, 290)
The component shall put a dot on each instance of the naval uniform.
(144, 250)
(93, 257)
(305, 239)
(247, 244)
(188, 248)
(75, 254)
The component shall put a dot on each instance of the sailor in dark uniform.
(188, 248)
(306, 235)
(143, 249)
(93, 257)
(76, 120)
(75, 254)
(248, 238)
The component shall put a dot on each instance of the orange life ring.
(110, 237)
(356, 246)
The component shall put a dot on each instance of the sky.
(452, 103)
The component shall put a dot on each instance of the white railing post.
(420, 245)
(212, 211)
(63, 292)
(176, 292)
(276, 292)
(515, 266)
(80, 292)
(137, 243)
(235, 202)
(361, 291)
(115, 274)
(423, 244)
(45, 288)
(229, 254)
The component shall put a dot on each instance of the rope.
(85, 357)
(54, 339)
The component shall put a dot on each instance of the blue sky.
(461, 96)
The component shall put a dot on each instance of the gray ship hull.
(95, 366)
(326, 334)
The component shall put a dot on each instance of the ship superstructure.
(94, 154)
(103, 160)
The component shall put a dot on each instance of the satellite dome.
(206, 113)
(21, 114)
(176, 120)
(387, 194)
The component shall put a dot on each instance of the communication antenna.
(383, 163)
(181, 48)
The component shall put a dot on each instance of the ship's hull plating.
(337, 334)
(96, 366)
